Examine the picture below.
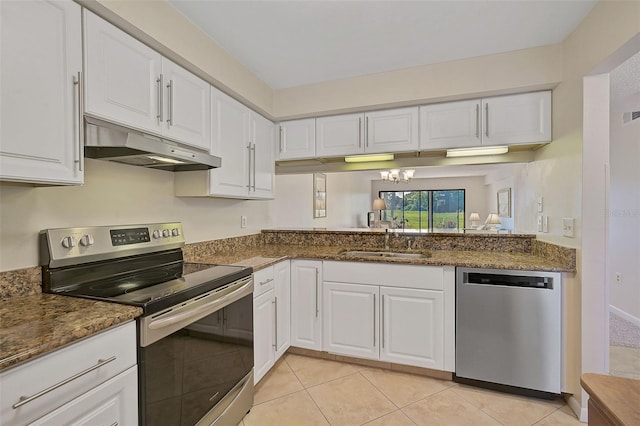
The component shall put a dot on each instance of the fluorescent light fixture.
(368, 158)
(165, 159)
(481, 150)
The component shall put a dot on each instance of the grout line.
(544, 417)
(380, 390)
(317, 406)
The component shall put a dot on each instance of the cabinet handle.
(77, 81)
(374, 320)
(281, 137)
(275, 302)
(382, 322)
(366, 132)
(317, 310)
(249, 168)
(170, 117)
(486, 119)
(25, 399)
(266, 281)
(253, 154)
(477, 120)
(359, 132)
(160, 85)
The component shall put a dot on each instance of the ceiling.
(625, 80)
(293, 43)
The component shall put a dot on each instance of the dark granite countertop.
(261, 257)
(34, 325)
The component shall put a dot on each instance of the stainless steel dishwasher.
(509, 330)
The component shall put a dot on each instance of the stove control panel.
(65, 246)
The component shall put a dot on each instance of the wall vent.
(628, 117)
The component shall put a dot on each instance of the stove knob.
(156, 234)
(175, 232)
(87, 240)
(166, 233)
(68, 242)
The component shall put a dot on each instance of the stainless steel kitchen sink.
(367, 253)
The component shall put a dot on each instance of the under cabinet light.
(368, 158)
(165, 159)
(481, 150)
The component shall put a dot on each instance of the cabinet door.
(350, 320)
(263, 334)
(450, 125)
(262, 158)
(229, 140)
(41, 50)
(340, 135)
(297, 139)
(111, 403)
(517, 119)
(122, 77)
(187, 106)
(412, 327)
(394, 130)
(306, 304)
(282, 276)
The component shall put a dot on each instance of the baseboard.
(624, 315)
(577, 409)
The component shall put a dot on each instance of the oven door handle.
(153, 329)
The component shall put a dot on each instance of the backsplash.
(20, 282)
(194, 251)
(564, 255)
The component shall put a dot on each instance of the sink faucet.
(386, 240)
(409, 241)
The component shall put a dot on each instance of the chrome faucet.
(387, 235)
(409, 241)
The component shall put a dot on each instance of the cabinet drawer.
(262, 281)
(117, 345)
(411, 276)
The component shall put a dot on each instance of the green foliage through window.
(426, 210)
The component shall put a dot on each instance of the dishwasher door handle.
(521, 281)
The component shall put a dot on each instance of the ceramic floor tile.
(397, 418)
(507, 408)
(561, 417)
(295, 409)
(402, 388)
(448, 409)
(314, 371)
(278, 382)
(350, 400)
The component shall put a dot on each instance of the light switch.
(568, 227)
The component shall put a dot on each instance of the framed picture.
(504, 202)
(319, 195)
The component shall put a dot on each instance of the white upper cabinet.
(297, 139)
(41, 59)
(123, 77)
(502, 120)
(244, 141)
(450, 125)
(340, 135)
(230, 141)
(130, 84)
(262, 162)
(517, 119)
(394, 130)
(187, 115)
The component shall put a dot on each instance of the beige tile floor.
(302, 391)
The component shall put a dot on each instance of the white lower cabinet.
(270, 316)
(394, 313)
(93, 381)
(306, 304)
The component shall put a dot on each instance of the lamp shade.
(474, 216)
(493, 219)
(379, 204)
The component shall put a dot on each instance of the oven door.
(196, 360)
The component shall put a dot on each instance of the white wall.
(115, 194)
(507, 177)
(348, 201)
(624, 205)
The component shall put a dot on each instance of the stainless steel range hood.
(106, 141)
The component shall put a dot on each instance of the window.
(425, 210)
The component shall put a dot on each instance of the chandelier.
(397, 175)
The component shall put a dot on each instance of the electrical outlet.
(540, 223)
(568, 224)
(545, 223)
(539, 204)
(243, 221)
(619, 277)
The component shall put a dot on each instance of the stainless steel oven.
(195, 337)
